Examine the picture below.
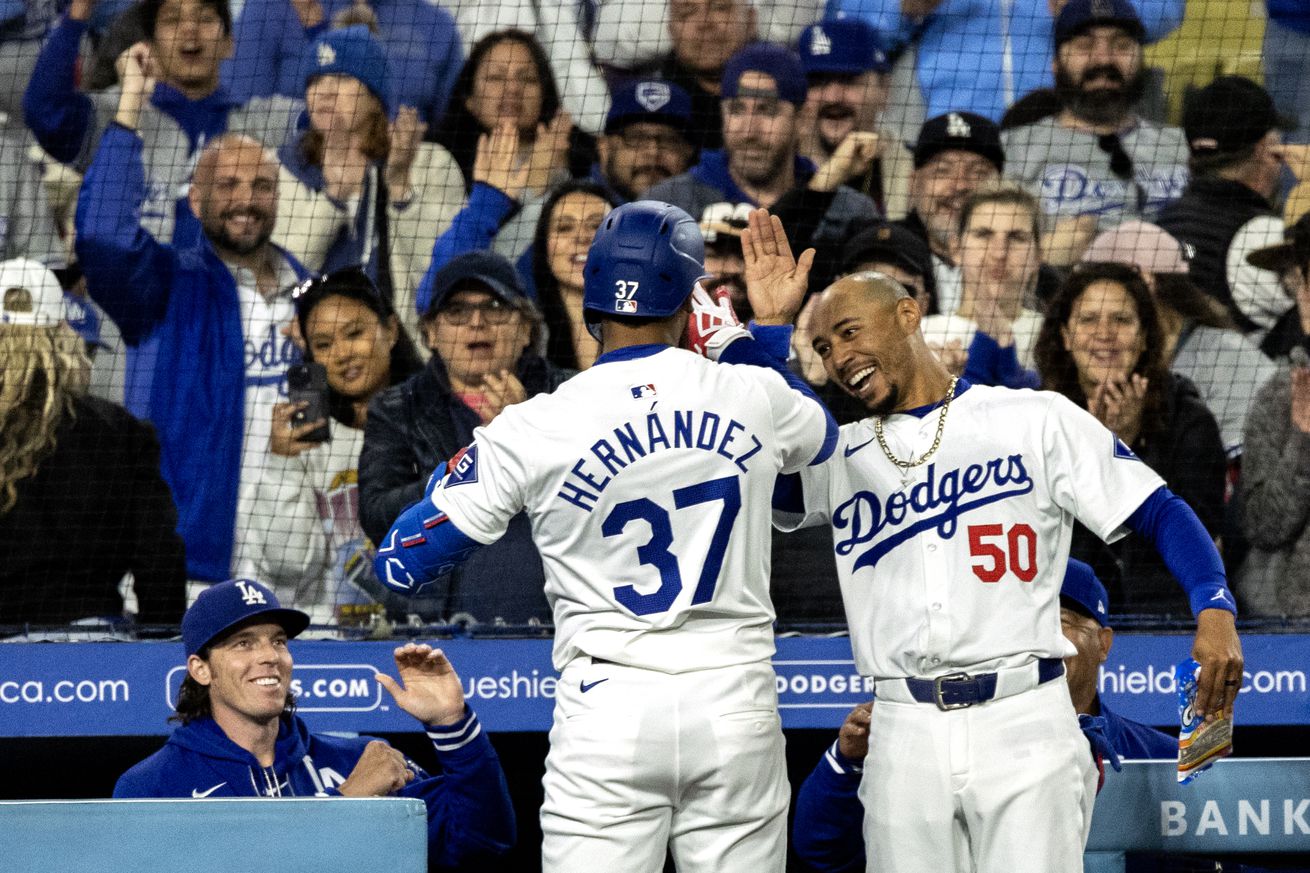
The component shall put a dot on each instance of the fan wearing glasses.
(486, 337)
(306, 541)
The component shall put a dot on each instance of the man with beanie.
(1096, 162)
(181, 106)
(764, 88)
(955, 154)
(1235, 137)
(240, 736)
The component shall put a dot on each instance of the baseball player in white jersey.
(951, 510)
(647, 479)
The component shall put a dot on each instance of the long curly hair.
(42, 371)
(1056, 364)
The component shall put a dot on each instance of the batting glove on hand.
(713, 324)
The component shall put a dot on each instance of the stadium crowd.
(270, 263)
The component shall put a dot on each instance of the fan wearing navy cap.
(1234, 134)
(646, 138)
(764, 88)
(240, 735)
(848, 76)
(1096, 162)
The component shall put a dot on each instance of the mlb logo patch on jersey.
(463, 467)
(640, 391)
(1122, 451)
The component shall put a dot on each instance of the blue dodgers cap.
(843, 47)
(772, 60)
(1084, 592)
(1078, 15)
(649, 100)
(352, 51)
(491, 271)
(221, 607)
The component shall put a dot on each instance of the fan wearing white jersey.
(951, 510)
(647, 480)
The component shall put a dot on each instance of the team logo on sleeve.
(463, 467)
(640, 392)
(1122, 452)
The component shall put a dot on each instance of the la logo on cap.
(1100, 607)
(327, 55)
(957, 127)
(653, 96)
(250, 595)
(820, 43)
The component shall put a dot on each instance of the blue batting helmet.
(644, 261)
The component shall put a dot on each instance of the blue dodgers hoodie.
(469, 809)
(178, 310)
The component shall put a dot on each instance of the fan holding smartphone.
(305, 540)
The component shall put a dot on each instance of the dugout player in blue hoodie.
(240, 736)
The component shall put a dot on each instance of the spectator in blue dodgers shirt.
(356, 186)
(763, 90)
(203, 319)
(486, 338)
(240, 736)
(982, 57)
(827, 831)
(176, 97)
(1234, 133)
(848, 74)
(272, 38)
(308, 544)
(1096, 162)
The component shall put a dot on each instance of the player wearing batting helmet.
(647, 481)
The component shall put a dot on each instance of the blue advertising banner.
(125, 689)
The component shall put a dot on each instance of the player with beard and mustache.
(1096, 163)
(203, 316)
(849, 76)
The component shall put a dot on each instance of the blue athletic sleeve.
(1169, 523)
(473, 229)
(989, 364)
(422, 546)
(828, 832)
(59, 115)
(757, 352)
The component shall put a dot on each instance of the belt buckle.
(937, 691)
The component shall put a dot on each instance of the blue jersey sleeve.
(1189, 553)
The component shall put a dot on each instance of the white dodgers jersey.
(648, 481)
(959, 563)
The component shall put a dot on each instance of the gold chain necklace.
(937, 440)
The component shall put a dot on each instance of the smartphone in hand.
(307, 383)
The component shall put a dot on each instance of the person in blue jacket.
(240, 735)
(202, 317)
(827, 832)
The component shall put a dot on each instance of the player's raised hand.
(1219, 652)
(776, 281)
(429, 688)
